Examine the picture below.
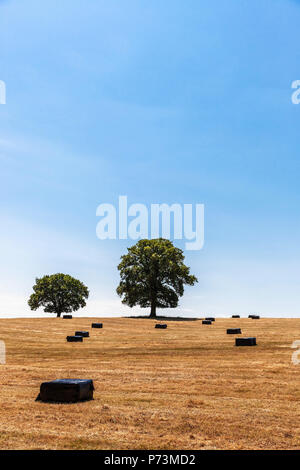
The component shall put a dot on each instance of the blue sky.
(171, 101)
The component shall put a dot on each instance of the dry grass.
(187, 387)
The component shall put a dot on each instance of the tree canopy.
(153, 274)
(58, 293)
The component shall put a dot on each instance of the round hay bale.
(67, 317)
(84, 334)
(206, 322)
(162, 326)
(245, 341)
(97, 325)
(210, 319)
(235, 316)
(74, 339)
(66, 391)
(234, 331)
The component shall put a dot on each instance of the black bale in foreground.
(67, 317)
(163, 326)
(245, 341)
(74, 339)
(84, 334)
(66, 391)
(234, 331)
(97, 325)
(206, 322)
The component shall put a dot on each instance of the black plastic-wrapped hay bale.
(97, 325)
(67, 317)
(206, 322)
(210, 319)
(245, 341)
(255, 317)
(162, 326)
(74, 339)
(235, 316)
(234, 331)
(66, 391)
(84, 334)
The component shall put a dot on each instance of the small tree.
(153, 275)
(58, 293)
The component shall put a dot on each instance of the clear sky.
(162, 101)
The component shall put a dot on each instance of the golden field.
(187, 387)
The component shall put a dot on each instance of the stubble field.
(187, 387)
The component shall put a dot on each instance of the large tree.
(58, 293)
(153, 275)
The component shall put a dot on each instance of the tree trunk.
(58, 314)
(153, 309)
